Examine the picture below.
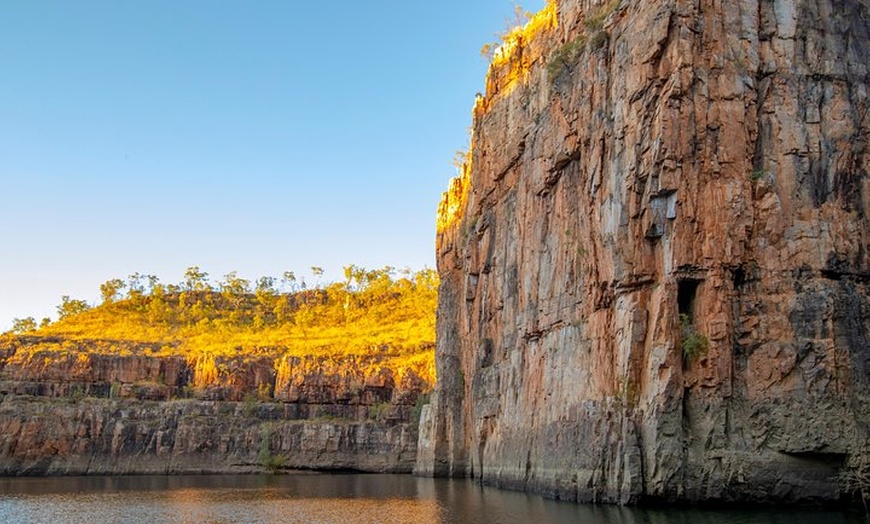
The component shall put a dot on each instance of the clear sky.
(263, 136)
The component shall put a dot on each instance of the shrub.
(694, 344)
(855, 480)
(595, 21)
(594, 37)
(250, 404)
(379, 411)
(422, 400)
(598, 39)
(564, 57)
(268, 461)
(78, 392)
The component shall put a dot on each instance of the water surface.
(340, 499)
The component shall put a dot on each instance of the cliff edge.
(654, 269)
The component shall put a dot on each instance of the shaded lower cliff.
(654, 265)
(67, 410)
(99, 436)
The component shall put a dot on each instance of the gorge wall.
(66, 411)
(654, 268)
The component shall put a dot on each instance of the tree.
(135, 287)
(196, 280)
(317, 271)
(23, 325)
(45, 322)
(265, 285)
(266, 294)
(519, 19)
(110, 290)
(234, 290)
(153, 282)
(289, 283)
(233, 285)
(70, 306)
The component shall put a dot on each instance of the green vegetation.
(70, 307)
(855, 481)
(520, 18)
(694, 344)
(564, 57)
(23, 325)
(380, 411)
(757, 175)
(380, 312)
(421, 401)
(270, 462)
(594, 21)
(594, 37)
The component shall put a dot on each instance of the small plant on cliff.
(598, 39)
(594, 36)
(595, 20)
(564, 58)
(595, 24)
(380, 411)
(694, 344)
(422, 400)
(268, 461)
(78, 393)
(249, 406)
(469, 227)
(855, 481)
(756, 175)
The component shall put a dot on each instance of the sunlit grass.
(372, 316)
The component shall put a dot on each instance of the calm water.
(340, 499)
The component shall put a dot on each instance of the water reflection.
(331, 499)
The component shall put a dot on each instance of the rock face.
(99, 436)
(64, 410)
(654, 267)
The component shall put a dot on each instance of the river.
(340, 499)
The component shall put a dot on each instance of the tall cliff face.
(654, 266)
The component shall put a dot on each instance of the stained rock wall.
(654, 268)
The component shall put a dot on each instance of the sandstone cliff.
(654, 268)
(65, 410)
(101, 436)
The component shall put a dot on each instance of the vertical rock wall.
(654, 267)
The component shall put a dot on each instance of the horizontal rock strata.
(100, 436)
(69, 411)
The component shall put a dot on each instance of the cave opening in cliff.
(687, 290)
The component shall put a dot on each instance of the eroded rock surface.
(69, 411)
(654, 268)
(99, 436)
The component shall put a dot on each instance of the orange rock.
(654, 284)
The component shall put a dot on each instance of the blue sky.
(264, 136)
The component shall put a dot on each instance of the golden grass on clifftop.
(372, 313)
(510, 64)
